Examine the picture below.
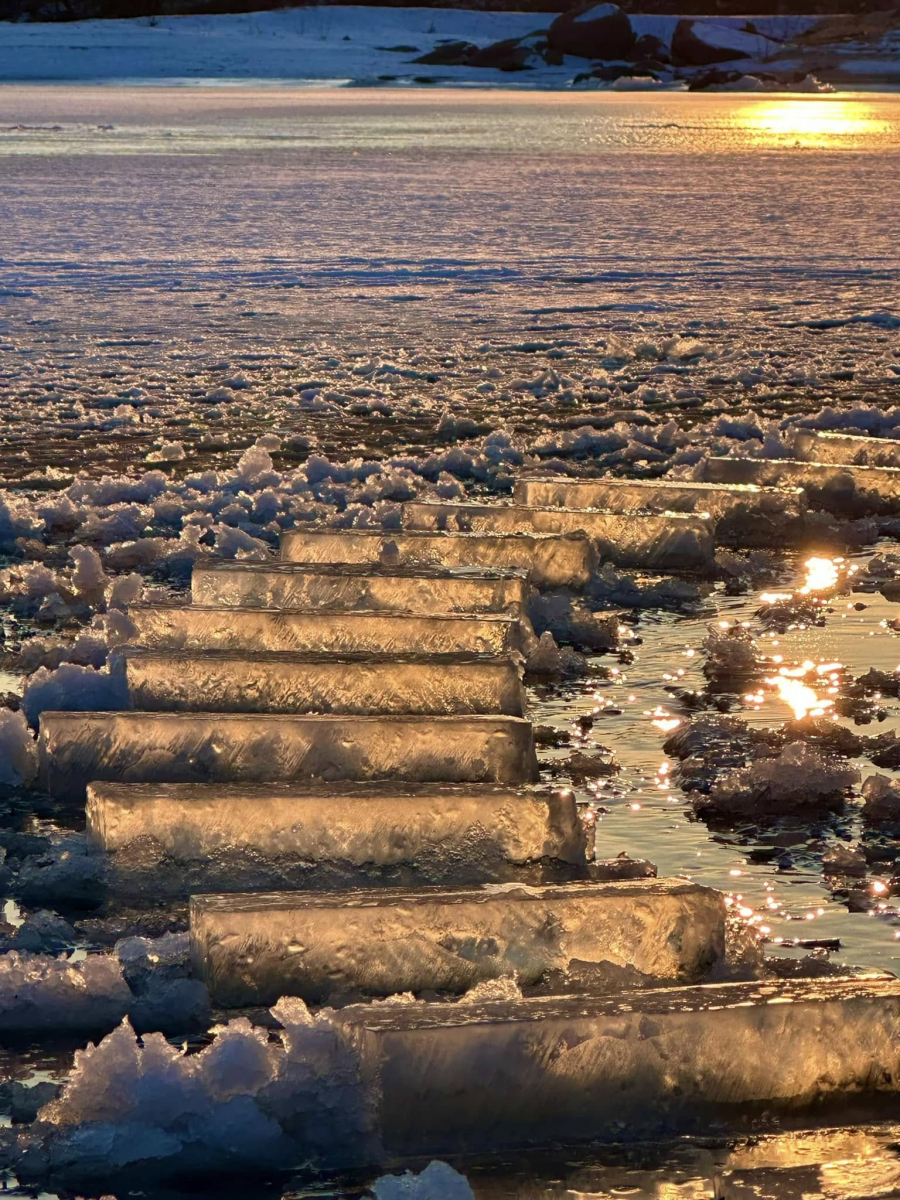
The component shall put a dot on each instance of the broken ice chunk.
(744, 514)
(140, 747)
(251, 949)
(466, 830)
(224, 627)
(641, 1064)
(235, 681)
(655, 541)
(548, 559)
(338, 587)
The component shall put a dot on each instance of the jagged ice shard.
(743, 514)
(225, 627)
(383, 823)
(251, 949)
(230, 681)
(655, 541)
(654, 1063)
(550, 560)
(139, 747)
(338, 587)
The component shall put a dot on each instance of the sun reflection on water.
(820, 121)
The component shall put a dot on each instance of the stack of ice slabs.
(651, 540)
(253, 949)
(743, 514)
(550, 561)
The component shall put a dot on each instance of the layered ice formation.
(253, 949)
(230, 681)
(744, 514)
(225, 627)
(654, 541)
(550, 560)
(419, 589)
(137, 747)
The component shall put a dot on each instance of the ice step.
(318, 631)
(253, 949)
(230, 681)
(452, 1078)
(824, 447)
(550, 560)
(383, 823)
(342, 587)
(141, 747)
(655, 541)
(832, 486)
(744, 514)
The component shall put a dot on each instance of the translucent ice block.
(453, 1078)
(550, 560)
(664, 541)
(423, 590)
(825, 447)
(380, 822)
(744, 514)
(231, 681)
(251, 949)
(141, 747)
(224, 627)
(833, 486)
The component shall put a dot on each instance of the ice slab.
(664, 541)
(550, 560)
(233, 681)
(654, 1063)
(139, 747)
(744, 514)
(253, 949)
(832, 486)
(823, 447)
(383, 823)
(318, 631)
(339, 587)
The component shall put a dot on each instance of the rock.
(882, 798)
(597, 31)
(704, 43)
(650, 49)
(511, 54)
(449, 54)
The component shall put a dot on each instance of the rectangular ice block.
(251, 949)
(550, 560)
(320, 631)
(142, 747)
(339, 587)
(232, 681)
(449, 1078)
(744, 514)
(655, 541)
(832, 486)
(384, 823)
(826, 447)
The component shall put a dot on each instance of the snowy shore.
(379, 47)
